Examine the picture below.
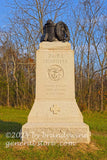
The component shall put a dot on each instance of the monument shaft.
(55, 110)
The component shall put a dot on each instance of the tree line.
(18, 44)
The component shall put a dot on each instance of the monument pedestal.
(55, 116)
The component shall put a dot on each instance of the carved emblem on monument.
(55, 109)
(55, 72)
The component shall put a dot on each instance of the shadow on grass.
(6, 126)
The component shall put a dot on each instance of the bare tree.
(29, 17)
(90, 13)
(6, 56)
(101, 51)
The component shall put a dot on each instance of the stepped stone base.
(61, 133)
(55, 124)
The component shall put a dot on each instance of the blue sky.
(5, 12)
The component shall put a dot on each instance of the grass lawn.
(12, 119)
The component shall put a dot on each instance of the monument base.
(53, 133)
(52, 122)
(55, 111)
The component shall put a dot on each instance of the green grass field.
(11, 120)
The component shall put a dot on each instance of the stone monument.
(55, 116)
